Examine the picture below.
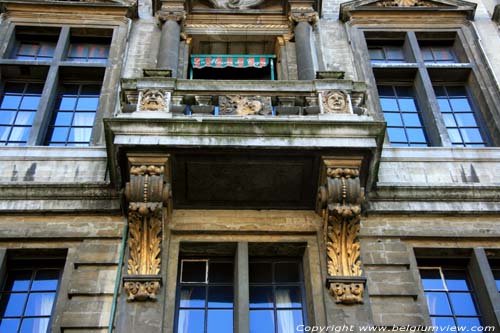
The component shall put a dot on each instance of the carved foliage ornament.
(153, 100)
(335, 101)
(340, 199)
(148, 194)
(245, 105)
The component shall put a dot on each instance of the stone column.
(303, 37)
(168, 54)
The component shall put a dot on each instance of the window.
(401, 113)
(28, 296)
(208, 288)
(74, 115)
(66, 114)
(276, 295)
(439, 81)
(450, 297)
(34, 44)
(458, 116)
(205, 300)
(19, 102)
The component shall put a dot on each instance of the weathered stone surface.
(86, 312)
(92, 280)
(97, 252)
(396, 311)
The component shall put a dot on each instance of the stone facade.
(180, 166)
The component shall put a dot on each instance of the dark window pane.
(394, 53)
(192, 297)
(40, 304)
(10, 102)
(34, 325)
(443, 54)
(34, 88)
(463, 304)
(221, 272)
(261, 297)
(288, 320)
(70, 89)
(404, 91)
(471, 135)
(91, 89)
(287, 272)
(45, 280)
(456, 91)
(260, 272)
(12, 305)
(438, 303)
(191, 321)
(456, 280)
(396, 135)
(376, 54)
(220, 297)
(194, 271)
(261, 321)
(431, 279)
(220, 321)
(384, 91)
(9, 325)
(427, 54)
(288, 297)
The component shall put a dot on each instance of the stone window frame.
(474, 74)
(475, 262)
(242, 255)
(117, 31)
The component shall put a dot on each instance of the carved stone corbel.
(149, 196)
(339, 201)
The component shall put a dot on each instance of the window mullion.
(62, 45)
(241, 292)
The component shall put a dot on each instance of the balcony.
(244, 144)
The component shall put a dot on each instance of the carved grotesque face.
(336, 101)
(153, 100)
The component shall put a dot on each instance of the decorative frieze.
(405, 3)
(149, 195)
(245, 105)
(339, 201)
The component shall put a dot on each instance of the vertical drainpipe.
(118, 276)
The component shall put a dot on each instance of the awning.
(230, 60)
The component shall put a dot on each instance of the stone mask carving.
(153, 100)
(235, 4)
(335, 101)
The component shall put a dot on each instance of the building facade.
(200, 166)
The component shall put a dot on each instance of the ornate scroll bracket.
(339, 201)
(149, 195)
